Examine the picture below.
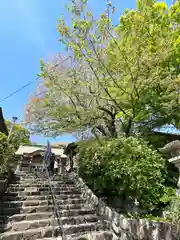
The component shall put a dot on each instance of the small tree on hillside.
(6, 154)
(20, 135)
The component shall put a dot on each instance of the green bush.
(173, 210)
(6, 154)
(124, 167)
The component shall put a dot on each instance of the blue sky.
(27, 34)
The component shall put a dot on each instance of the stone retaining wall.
(127, 229)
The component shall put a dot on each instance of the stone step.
(41, 176)
(25, 164)
(42, 202)
(44, 232)
(16, 185)
(31, 209)
(36, 192)
(31, 224)
(43, 188)
(39, 208)
(52, 238)
(40, 180)
(18, 218)
(40, 197)
(22, 174)
(41, 184)
(25, 168)
(101, 235)
(31, 234)
(31, 174)
(34, 215)
(28, 216)
(27, 211)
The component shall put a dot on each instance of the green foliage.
(172, 176)
(20, 135)
(120, 80)
(169, 193)
(149, 217)
(142, 52)
(126, 167)
(7, 148)
(6, 153)
(174, 210)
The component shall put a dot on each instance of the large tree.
(118, 79)
(71, 101)
(143, 58)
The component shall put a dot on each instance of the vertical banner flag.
(47, 154)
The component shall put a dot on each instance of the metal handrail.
(56, 207)
(54, 200)
(57, 215)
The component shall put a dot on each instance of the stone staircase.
(27, 211)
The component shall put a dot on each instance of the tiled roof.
(60, 144)
(35, 148)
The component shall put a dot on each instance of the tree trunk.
(128, 129)
(112, 126)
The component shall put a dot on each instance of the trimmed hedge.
(124, 167)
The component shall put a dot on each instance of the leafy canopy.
(117, 80)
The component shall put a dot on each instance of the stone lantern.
(173, 149)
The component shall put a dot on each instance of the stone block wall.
(124, 228)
